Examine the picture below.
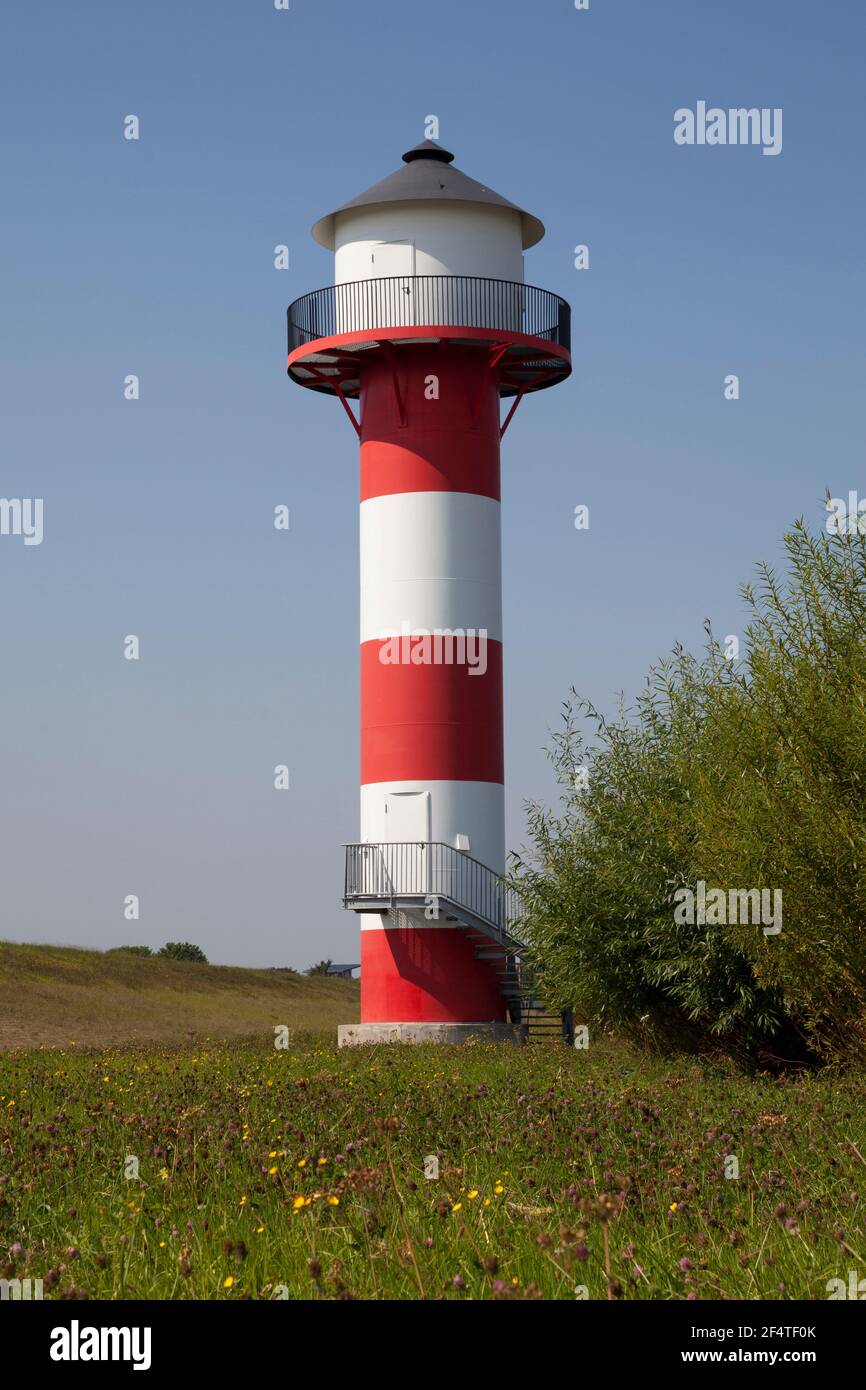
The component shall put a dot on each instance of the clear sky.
(155, 257)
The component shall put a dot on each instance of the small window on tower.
(461, 842)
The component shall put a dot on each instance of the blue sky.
(155, 257)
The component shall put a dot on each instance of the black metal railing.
(417, 870)
(431, 301)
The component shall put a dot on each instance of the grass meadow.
(231, 1170)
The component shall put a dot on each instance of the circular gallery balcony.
(526, 330)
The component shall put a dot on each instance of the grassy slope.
(59, 995)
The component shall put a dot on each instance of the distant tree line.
(172, 950)
(186, 950)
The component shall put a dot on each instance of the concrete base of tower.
(362, 1034)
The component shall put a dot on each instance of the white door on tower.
(393, 262)
(407, 831)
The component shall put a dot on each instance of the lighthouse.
(431, 328)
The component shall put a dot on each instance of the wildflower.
(259, 1230)
(272, 1154)
(321, 1161)
(164, 1174)
(272, 1171)
(457, 1206)
(685, 1263)
(241, 1203)
(673, 1206)
(228, 1282)
(333, 1201)
(487, 1201)
(473, 1194)
(298, 1203)
(302, 1163)
(499, 1189)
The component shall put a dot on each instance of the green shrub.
(744, 775)
(321, 968)
(183, 950)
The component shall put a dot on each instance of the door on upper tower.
(394, 263)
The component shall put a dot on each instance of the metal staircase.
(408, 876)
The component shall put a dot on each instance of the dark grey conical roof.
(428, 173)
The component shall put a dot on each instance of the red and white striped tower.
(429, 325)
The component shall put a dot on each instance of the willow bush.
(744, 774)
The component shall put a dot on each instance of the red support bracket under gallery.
(391, 359)
(335, 385)
(518, 398)
(496, 355)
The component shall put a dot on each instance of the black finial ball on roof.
(428, 149)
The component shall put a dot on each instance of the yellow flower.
(272, 1154)
(333, 1201)
(499, 1189)
(272, 1171)
(302, 1163)
(161, 1244)
(163, 1173)
(514, 1281)
(473, 1194)
(298, 1203)
(673, 1206)
(487, 1201)
(270, 1081)
(259, 1230)
(243, 1201)
(457, 1206)
(321, 1161)
(228, 1281)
